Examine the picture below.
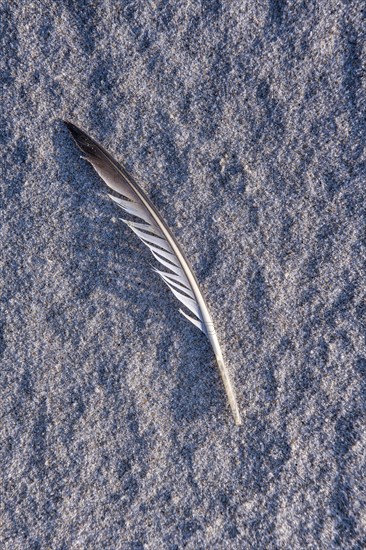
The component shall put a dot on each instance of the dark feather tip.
(82, 140)
(74, 130)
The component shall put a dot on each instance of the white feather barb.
(155, 234)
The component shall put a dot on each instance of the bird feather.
(155, 234)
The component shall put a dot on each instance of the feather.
(155, 234)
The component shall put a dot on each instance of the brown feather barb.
(155, 233)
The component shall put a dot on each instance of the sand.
(245, 123)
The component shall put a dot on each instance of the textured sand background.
(245, 122)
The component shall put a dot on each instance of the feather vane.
(157, 236)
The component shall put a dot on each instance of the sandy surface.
(245, 123)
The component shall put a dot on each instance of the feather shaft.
(164, 247)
